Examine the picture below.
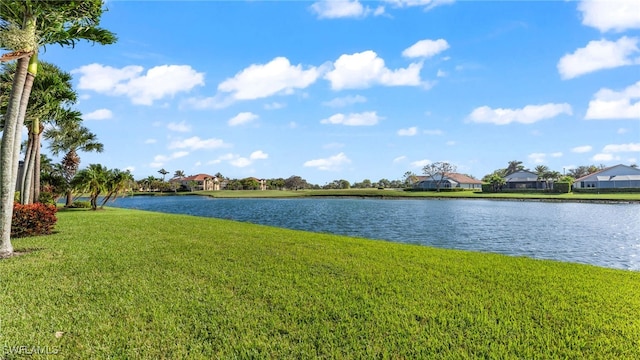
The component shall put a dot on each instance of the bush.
(46, 198)
(32, 220)
(80, 205)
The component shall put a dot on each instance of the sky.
(358, 90)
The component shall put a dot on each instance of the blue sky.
(360, 90)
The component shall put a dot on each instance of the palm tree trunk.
(7, 147)
(36, 169)
(24, 183)
(24, 101)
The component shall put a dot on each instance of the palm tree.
(118, 181)
(514, 166)
(51, 91)
(163, 172)
(92, 180)
(179, 174)
(69, 137)
(25, 26)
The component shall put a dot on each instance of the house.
(450, 181)
(525, 180)
(614, 177)
(198, 182)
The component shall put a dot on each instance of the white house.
(615, 177)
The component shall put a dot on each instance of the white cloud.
(433, 132)
(527, 115)
(426, 4)
(240, 161)
(426, 48)
(408, 132)
(614, 148)
(331, 163)
(258, 155)
(441, 73)
(365, 69)
(609, 151)
(100, 114)
(130, 168)
(259, 81)
(539, 158)
(360, 119)
(604, 157)
(598, 55)
(420, 163)
(400, 159)
(609, 104)
(345, 101)
(616, 15)
(179, 127)
(450, 143)
(143, 89)
(195, 143)
(334, 9)
(242, 118)
(582, 149)
(622, 131)
(150, 141)
(160, 160)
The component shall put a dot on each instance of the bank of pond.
(592, 233)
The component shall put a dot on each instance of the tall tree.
(69, 137)
(179, 174)
(163, 172)
(25, 26)
(438, 171)
(52, 91)
(514, 166)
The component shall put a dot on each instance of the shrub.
(33, 219)
(46, 198)
(80, 205)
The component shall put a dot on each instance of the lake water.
(600, 234)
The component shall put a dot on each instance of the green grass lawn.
(131, 284)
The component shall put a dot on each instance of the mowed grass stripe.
(133, 284)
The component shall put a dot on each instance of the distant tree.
(163, 172)
(118, 182)
(583, 170)
(275, 184)
(384, 183)
(437, 172)
(192, 184)
(69, 137)
(635, 166)
(179, 174)
(93, 181)
(295, 183)
(409, 178)
(496, 181)
(514, 166)
(250, 183)
(541, 169)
